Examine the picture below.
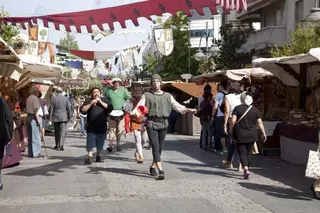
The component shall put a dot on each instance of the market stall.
(300, 73)
(10, 72)
(186, 124)
(264, 86)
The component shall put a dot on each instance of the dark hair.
(207, 95)
(224, 83)
(94, 88)
(235, 87)
(40, 94)
(207, 88)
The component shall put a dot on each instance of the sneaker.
(99, 159)
(61, 148)
(161, 175)
(119, 149)
(246, 174)
(227, 164)
(109, 149)
(88, 160)
(153, 171)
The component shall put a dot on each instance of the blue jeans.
(232, 151)
(206, 134)
(34, 137)
(95, 141)
(82, 125)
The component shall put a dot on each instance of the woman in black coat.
(6, 129)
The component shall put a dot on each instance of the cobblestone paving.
(195, 182)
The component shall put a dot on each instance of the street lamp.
(314, 15)
(200, 55)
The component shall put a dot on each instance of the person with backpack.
(218, 113)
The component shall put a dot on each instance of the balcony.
(265, 38)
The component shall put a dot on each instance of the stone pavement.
(194, 183)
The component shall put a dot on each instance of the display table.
(296, 142)
(12, 155)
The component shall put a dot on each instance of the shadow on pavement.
(279, 192)
(124, 171)
(269, 167)
(50, 169)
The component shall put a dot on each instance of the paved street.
(194, 183)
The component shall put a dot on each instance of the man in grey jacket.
(60, 115)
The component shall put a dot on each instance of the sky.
(118, 41)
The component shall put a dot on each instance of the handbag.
(313, 166)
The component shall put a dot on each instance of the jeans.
(233, 154)
(206, 134)
(218, 132)
(82, 125)
(95, 141)
(156, 138)
(34, 137)
(245, 150)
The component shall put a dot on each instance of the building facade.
(277, 18)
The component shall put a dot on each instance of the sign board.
(164, 40)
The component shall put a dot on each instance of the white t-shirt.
(234, 100)
(218, 101)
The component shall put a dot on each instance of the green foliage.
(151, 63)
(229, 56)
(7, 32)
(302, 40)
(207, 66)
(177, 62)
(69, 42)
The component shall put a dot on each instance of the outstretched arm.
(180, 108)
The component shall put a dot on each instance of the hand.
(264, 137)
(94, 102)
(50, 123)
(192, 111)
(225, 130)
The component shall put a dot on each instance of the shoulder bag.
(313, 166)
(244, 114)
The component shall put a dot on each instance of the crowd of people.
(231, 121)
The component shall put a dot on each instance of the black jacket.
(6, 123)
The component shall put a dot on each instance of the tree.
(233, 38)
(302, 40)
(69, 42)
(177, 62)
(7, 32)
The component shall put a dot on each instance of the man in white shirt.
(218, 111)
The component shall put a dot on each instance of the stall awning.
(190, 89)
(10, 64)
(274, 65)
(236, 75)
(108, 16)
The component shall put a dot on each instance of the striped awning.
(104, 19)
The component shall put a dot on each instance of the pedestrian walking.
(6, 129)
(136, 123)
(159, 105)
(97, 110)
(60, 115)
(244, 122)
(231, 101)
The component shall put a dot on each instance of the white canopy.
(236, 74)
(270, 64)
